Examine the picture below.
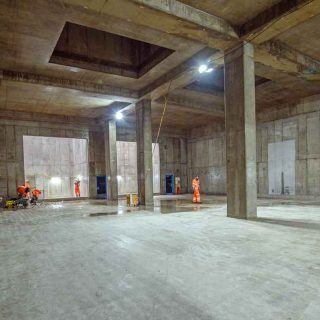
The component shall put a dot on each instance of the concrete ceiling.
(235, 12)
(53, 100)
(29, 31)
(304, 37)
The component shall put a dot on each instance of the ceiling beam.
(307, 64)
(281, 57)
(268, 24)
(108, 92)
(178, 77)
(219, 26)
(166, 16)
(168, 19)
(279, 18)
(189, 109)
(185, 105)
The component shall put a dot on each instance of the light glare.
(203, 68)
(55, 180)
(119, 116)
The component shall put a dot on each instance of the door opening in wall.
(57, 166)
(101, 187)
(281, 167)
(170, 184)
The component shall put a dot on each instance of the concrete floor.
(60, 262)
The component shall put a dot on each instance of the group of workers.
(25, 192)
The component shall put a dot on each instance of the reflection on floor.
(86, 260)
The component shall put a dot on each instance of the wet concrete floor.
(86, 260)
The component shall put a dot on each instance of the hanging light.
(205, 69)
(119, 115)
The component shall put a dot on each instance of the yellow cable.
(162, 117)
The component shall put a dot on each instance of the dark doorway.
(101, 187)
(170, 184)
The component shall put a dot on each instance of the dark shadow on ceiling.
(91, 49)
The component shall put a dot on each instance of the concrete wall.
(53, 164)
(304, 130)
(300, 123)
(206, 159)
(173, 160)
(127, 168)
(14, 126)
(97, 164)
(172, 153)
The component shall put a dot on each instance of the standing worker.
(77, 188)
(196, 190)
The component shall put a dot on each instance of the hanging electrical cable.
(209, 68)
(165, 104)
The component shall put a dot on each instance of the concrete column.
(111, 160)
(144, 152)
(240, 132)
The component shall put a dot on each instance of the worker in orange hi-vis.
(77, 188)
(28, 189)
(196, 190)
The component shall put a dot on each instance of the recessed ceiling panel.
(96, 50)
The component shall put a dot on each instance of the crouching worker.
(35, 196)
(23, 199)
(196, 190)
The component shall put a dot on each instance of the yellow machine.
(132, 200)
(10, 204)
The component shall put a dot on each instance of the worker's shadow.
(290, 223)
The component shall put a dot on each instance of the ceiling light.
(119, 115)
(203, 68)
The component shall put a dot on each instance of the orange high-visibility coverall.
(28, 189)
(36, 193)
(77, 188)
(196, 191)
(22, 191)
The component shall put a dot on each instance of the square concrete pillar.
(240, 132)
(111, 160)
(144, 152)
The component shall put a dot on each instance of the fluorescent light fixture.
(119, 115)
(55, 180)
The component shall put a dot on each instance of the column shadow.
(290, 223)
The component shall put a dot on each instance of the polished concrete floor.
(85, 260)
